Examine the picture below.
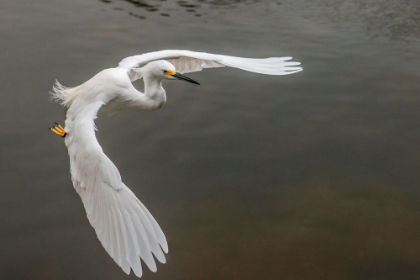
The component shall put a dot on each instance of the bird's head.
(165, 70)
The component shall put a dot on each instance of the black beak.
(182, 77)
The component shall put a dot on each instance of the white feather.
(189, 61)
(124, 226)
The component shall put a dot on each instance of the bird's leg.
(58, 130)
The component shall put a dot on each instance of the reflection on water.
(167, 7)
(393, 18)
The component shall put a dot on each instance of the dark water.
(308, 176)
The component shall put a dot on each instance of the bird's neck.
(154, 92)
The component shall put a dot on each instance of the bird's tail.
(63, 95)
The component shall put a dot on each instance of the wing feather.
(189, 61)
(124, 226)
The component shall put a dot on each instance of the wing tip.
(164, 247)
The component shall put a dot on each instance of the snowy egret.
(124, 226)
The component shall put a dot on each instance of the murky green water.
(308, 176)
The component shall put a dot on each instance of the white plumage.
(122, 223)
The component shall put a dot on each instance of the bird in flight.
(124, 226)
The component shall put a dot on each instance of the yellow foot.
(58, 130)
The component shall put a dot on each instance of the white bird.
(124, 226)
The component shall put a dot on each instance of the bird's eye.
(164, 71)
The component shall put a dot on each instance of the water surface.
(308, 176)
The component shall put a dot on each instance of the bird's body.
(122, 223)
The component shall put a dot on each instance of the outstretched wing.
(189, 61)
(122, 223)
